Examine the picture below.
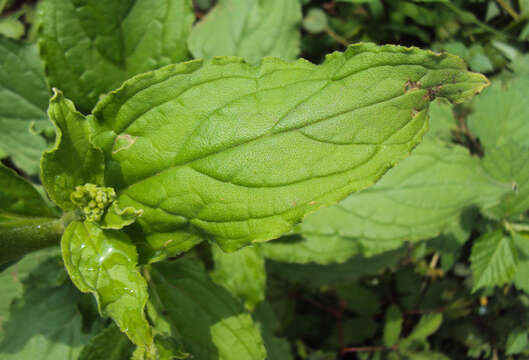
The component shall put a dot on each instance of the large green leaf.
(238, 153)
(494, 260)
(20, 200)
(242, 273)
(45, 323)
(23, 102)
(213, 324)
(91, 47)
(103, 262)
(422, 197)
(73, 161)
(251, 29)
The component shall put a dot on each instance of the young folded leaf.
(103, 262)
(239, 153)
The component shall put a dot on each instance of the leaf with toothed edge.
(238, 153)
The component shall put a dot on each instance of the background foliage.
(432, 262)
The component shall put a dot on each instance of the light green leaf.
(517, 341)
(493, 260)
(92, 47)
(109, 344)
(45, 323)
(12, 28)
(501, 113)
(73, 161)
(103, 262)
(421, 198)
(442, 121)
(19, 200)
(251, 29)
(393, 326)
(509, 164)
(315, 21)
(23, 102)
(242, 273)
(427, 325)
(213, 324)
(238, 153)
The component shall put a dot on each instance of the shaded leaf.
(392, 326)
(251, 29)
(109, 344)
(91, 47)
(23, 101)
(213, 323)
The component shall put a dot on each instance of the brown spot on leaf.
(412, 85)
(123, 142)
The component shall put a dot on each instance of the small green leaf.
(23, 101)
(12, 28)
(494, 260)
(73, 161)
(242, 273)
(315, 21)
(109, 344)
(427, 325)
(251, 29)
(393, 326)
(45, 323)
(517, 341)
(213, 324)
(91, 47)
(103, 262)
(238, 153)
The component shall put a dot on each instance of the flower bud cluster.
(93, 200)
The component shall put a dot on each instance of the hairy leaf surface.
(91, 47)
(251, 29)
(419, 199)
(103, 262)
(213, 324)
(242, 273)
(74, 160)
(238, 153)
(23, 102)
(494, 260)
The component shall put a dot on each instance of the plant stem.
(29, 235)
(508, 8)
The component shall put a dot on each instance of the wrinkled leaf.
(242, 273)
(419, 199)
(92, 47)
(213, 323)
(23, 102)
(251, 29)
(73, 161)
(103, 262)
(238, 153)
(494, 260)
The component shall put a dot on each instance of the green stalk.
(22, 237)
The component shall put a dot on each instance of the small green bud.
(93, 200)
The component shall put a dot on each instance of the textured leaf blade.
(242, 273)
(90, 48)
(73, 160)
(19, 199)
(271, 143)
(103, 262)
(23, 101)
(494, 260)
(213, 324)
(45, 323)
(421, 198)
(251, 29)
